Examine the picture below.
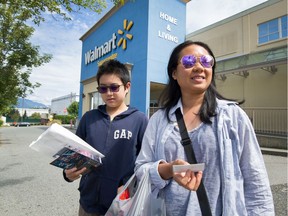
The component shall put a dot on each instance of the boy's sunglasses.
(188, 61)
(104, 89)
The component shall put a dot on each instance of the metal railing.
(267, 121)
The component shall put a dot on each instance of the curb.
(276, 152)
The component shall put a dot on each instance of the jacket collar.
(220, 105)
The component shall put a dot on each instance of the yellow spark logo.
(123, 40)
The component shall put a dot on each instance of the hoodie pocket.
(107, 191)
(89, 189)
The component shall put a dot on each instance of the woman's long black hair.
(172, 93)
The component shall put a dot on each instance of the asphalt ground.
(28, 184)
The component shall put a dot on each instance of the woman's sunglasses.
(188, 61)
(112, 88)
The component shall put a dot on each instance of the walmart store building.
(141, 34)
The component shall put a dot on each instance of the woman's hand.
(73, 174)
(189, 179)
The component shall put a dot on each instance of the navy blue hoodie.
(120, 141)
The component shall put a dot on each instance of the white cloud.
(61, 75)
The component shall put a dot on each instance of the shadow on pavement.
(9, 182)
(5, 142)
(9, 166)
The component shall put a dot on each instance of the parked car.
(22, 124)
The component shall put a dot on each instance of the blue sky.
(61, 75)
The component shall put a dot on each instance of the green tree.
(34, 9)
(35, 115)
(73, 109)
(17, 55)
(25, 115)
(14, 114)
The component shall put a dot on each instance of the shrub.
(65, 119)
(54, 121)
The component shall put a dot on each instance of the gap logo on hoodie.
(122, 134)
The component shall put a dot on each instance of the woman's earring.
(173, 76)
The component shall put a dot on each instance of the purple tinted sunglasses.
(104, 89)
(188, 61)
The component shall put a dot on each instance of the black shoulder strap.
(187, 144)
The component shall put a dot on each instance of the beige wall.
(227, 43)
(89, 87)
(259, 89)
(238, 34)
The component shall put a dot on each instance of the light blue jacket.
(244, 180)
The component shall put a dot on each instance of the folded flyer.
(66, 148)
(192, 167)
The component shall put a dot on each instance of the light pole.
(22, 109)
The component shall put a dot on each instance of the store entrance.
(155, 92)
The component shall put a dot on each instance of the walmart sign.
(107, 47)
(99, 51)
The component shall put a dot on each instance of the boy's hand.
(73, 174)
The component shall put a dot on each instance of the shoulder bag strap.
(187, 144)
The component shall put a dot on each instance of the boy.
(115, 130)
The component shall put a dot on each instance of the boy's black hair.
(172, 92)
(114, 67)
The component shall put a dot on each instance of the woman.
(222, 137)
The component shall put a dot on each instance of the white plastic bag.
(141, 201)
(121, 207)
(154, 206)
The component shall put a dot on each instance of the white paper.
(57, 137)
(193, 167)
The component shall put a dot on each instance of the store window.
(284, 26)
(96, 100)
(272, 30)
